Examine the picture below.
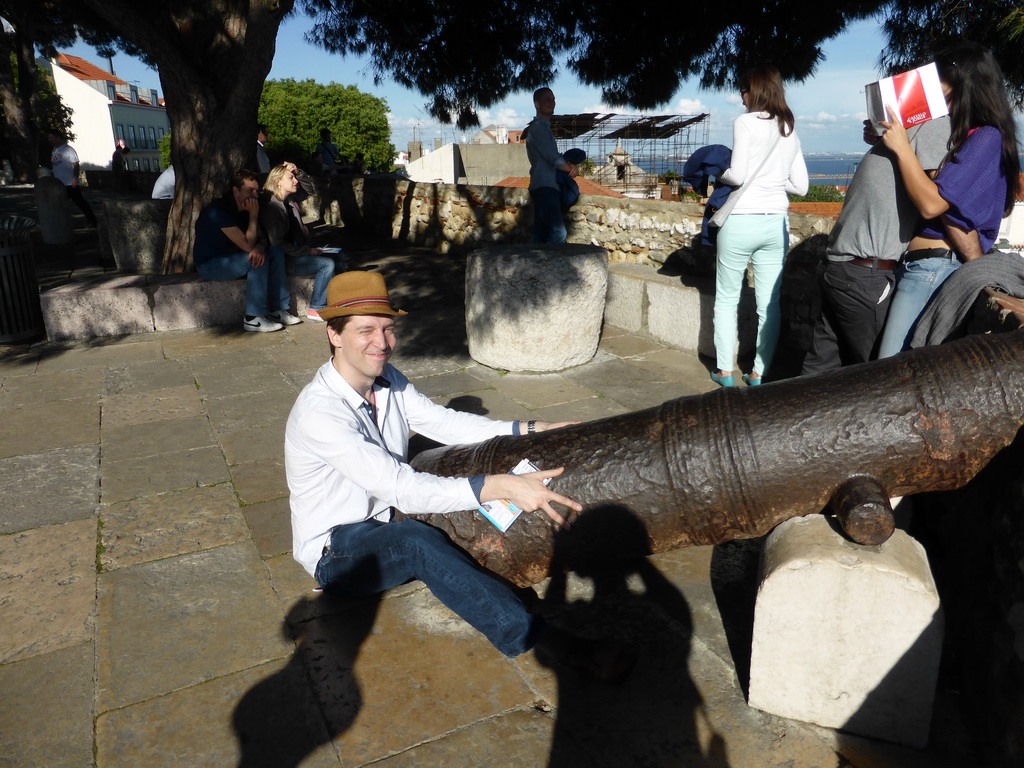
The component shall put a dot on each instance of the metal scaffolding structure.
(630, 153)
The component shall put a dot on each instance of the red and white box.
(915, 96)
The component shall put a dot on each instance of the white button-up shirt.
(343, 467)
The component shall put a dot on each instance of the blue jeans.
(324, 267)
(916, 281)
(763, 240)
(548, 222)
(372, 556)
(266, 286)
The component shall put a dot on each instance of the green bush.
(816, 194)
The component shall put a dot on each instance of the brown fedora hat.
(358, 293)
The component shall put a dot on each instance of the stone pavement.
(151, 614)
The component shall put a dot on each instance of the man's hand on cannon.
(528, 492)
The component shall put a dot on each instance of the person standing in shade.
(545, 160)
(64, 162)
(262, 161)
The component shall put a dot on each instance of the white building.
(106, 108)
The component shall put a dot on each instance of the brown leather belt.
(886, 265)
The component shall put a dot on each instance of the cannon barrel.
(736, 462)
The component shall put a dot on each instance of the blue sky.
(829, 106)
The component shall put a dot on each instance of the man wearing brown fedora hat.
(346, 449)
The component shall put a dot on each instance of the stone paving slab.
(46, 720)
(39, 427)
(31, 389)
(47, 488)
(148, 376)
(173, 623)
(625, 383)
(171, 471)
(363, 678)
(517, 738)
(532, 391)
(172, 524)
(47, 589)
(230, 414)
(270, 524)
(151, 438)
(261, 716)
(253, 444)
(260, 480)
(141, 407)
(107, 352)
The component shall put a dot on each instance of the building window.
(145, 163)
(119, 130)
(142, 136)
(136, 161)
(161, 133)
(111, 91)
(134, 90)
(152, 138)
(131, 138)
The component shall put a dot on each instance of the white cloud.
(690, 107)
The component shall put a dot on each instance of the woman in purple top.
(976, 185)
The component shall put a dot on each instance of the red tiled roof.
(85, 70)
(587, 187)
(818, 209)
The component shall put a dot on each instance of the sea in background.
(825, 169)
(832, 170)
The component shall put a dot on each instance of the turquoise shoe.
(752, 382)
(725, 381)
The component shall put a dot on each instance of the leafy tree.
(213, 57)
(637, 54)
(917, 29)
(165, 151)
(29, 103)
(296, 111)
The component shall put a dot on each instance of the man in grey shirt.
(876, 224)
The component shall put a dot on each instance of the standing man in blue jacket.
(548, 224)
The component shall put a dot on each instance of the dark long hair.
(979, 98)
(765, 93)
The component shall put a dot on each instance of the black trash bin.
(21, 317)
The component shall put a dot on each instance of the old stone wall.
(459, 218)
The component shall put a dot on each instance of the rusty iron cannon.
(735, 463)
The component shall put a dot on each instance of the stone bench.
(677, 312)
(145, 303)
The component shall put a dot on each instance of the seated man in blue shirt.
(227, 247)
(346, 450)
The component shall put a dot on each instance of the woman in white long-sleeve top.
(766, 165)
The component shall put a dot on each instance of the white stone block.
(188, 301)
(106, 307)
(679, 315)
(535, 307)
(846, 636)
(624, 305)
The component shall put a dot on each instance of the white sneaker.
(314, 316)
(261, 325)
(283, 316)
